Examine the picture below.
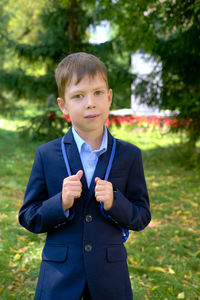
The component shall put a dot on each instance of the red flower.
(107, 122)
(67, 118)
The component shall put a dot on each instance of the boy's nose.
(90, 101)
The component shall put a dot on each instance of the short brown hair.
(78, 64)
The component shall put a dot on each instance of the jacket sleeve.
(131, 210)
(39, 212)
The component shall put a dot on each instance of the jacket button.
(88, 248)
(88, 218)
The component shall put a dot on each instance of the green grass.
(163, 259)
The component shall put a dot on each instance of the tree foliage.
(170, 32)
(4, 19)
(58, 28)
(36, 35)
(180, 56)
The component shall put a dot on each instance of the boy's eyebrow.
(76, 92)
(99, 88)
(79, 91)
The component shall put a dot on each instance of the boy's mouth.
(91, 117)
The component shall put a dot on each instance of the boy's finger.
(72, 188)
(71, 180)
(100, 189)
(100, 182)
(97, 179)
(75, 177)
(79, 174)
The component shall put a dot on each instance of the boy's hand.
(104, 192)
(72, 188)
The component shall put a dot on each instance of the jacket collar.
(69, 139)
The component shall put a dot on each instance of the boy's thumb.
(97, 179)
(79, 174)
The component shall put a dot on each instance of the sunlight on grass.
(11, 125)
(146, 139)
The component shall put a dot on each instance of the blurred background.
(151, 50)
(152, 53)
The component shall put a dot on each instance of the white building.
(142, 65)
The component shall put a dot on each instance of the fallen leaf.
(181, 295)
(22, 267)
(22, 250)
(154, 224)
(21, 237)
(16, 257)
(3, 216)
(131, 261)
(154, 288)
(31, 243)
(171, 271)
(159, 269)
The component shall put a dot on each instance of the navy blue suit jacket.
(86, 246)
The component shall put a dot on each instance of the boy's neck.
(94, 139)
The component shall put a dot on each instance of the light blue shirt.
(89, 157)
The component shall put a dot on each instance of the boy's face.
(87, 104)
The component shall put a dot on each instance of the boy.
(84, 192)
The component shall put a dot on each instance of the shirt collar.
(80, 142)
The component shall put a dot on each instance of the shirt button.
(88, 218)
(88, 248)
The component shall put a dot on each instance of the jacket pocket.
(116, 253)
(57, 253)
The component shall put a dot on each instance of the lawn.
(163, 259)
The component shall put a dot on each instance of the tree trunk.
(73, 26)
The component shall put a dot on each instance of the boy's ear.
(62, 105)
(110, 95)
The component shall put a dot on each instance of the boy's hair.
(78, 64)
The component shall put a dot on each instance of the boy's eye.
(78, 96)
(98, 93)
